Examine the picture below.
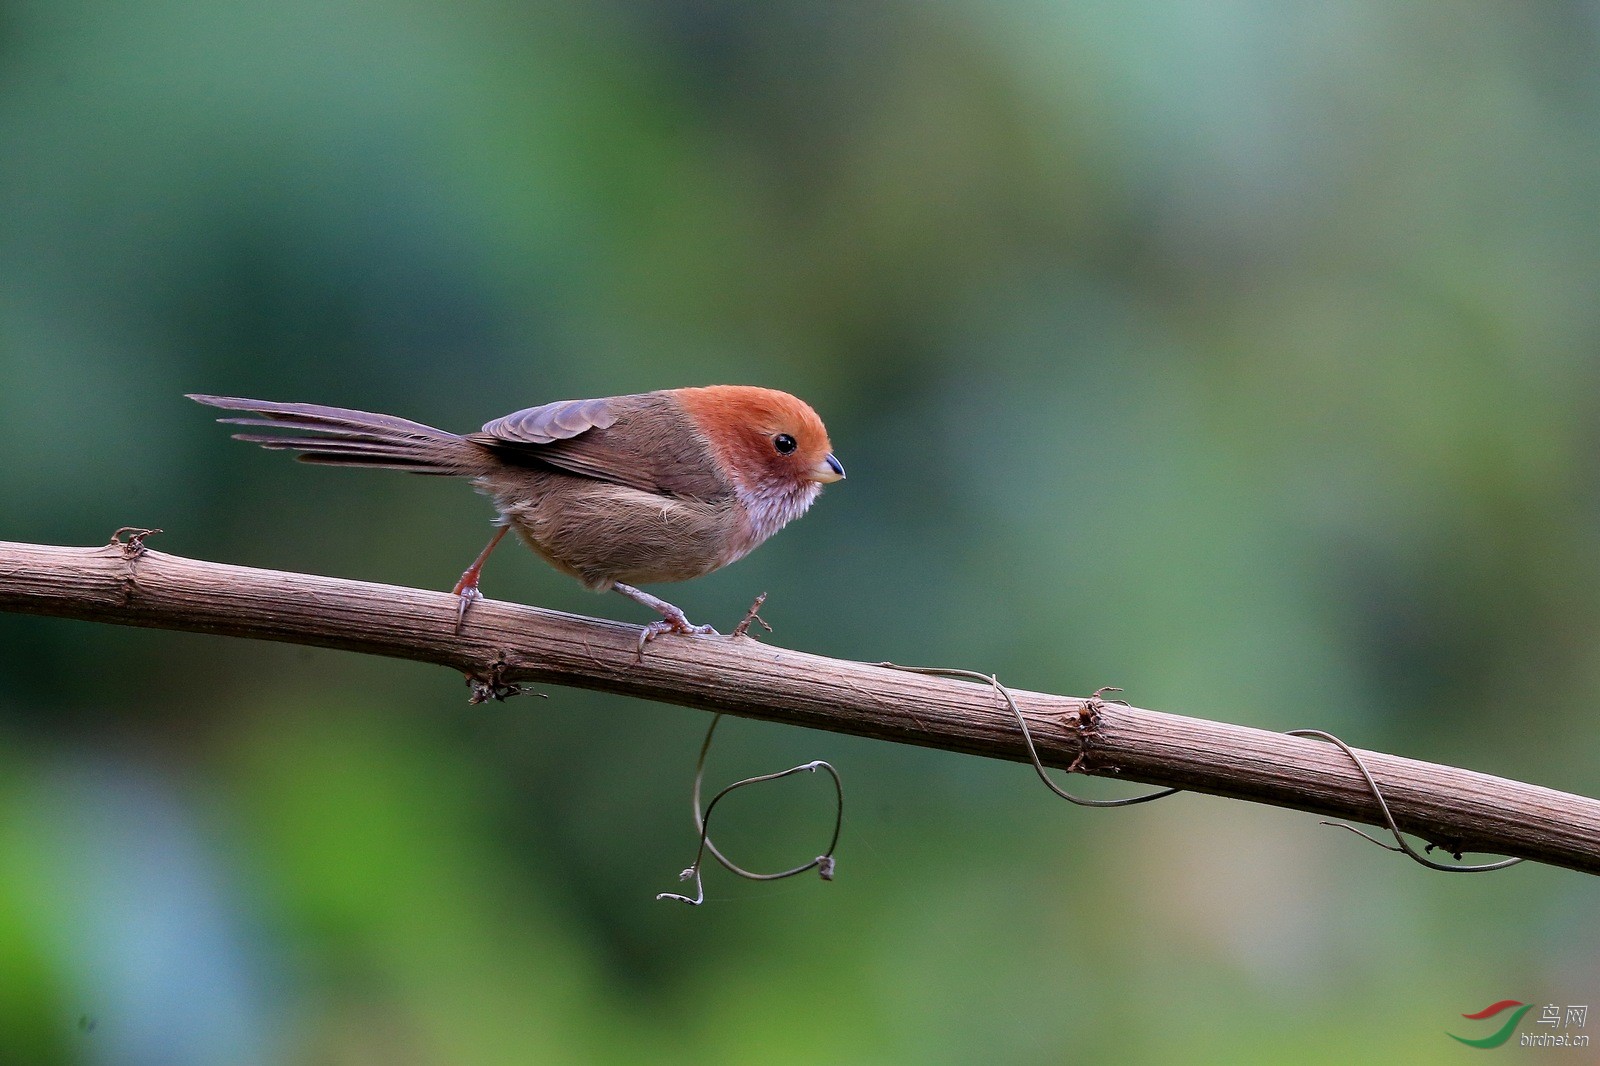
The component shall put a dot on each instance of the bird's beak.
(827, 472)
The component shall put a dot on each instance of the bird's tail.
(341, 437)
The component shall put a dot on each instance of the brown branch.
(503, 644)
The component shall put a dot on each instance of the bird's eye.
(784, 443)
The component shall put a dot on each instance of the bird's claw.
(672, 625)
(465, 598)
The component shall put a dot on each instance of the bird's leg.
(673, 619)
(467, 587)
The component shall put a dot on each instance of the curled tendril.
(1400, 844)
(1027, 735)
(824, 864)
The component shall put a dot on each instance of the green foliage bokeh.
(1244, 356)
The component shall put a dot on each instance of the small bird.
(617, 491)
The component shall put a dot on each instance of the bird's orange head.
(763, 439)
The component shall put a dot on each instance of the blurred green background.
(1244, 355)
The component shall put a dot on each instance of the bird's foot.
(466, 590)
(673, 619)
(466, 596)
(672, 623)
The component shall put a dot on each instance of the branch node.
(131, 550)
(1084, 725)
(495, 687)
(134, 546)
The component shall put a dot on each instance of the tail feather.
(344, 437)
(338, 444)
(409, 465)
(331, 446)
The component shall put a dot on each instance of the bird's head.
(766, 441)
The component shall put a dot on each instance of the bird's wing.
(645, 442)
(561, 420)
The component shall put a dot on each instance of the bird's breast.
(768, 508)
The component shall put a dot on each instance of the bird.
(618, 491)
